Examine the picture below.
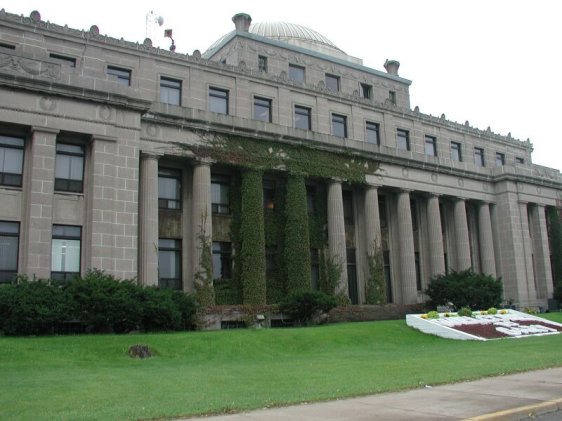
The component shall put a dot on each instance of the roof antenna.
(168, 34)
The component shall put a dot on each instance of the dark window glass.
(500, 158)
(332, 83)
(372, 131)
(169, 263)
(262, 64)
(387, 275)
(296, 73)
(348, 207)
(418, 271)
(310, 199)
(382, 212)
(414, 212)
(170, 91)
(314, 269)
(169, 188)
(218, 100)
(302, 118)
(262, 109)
(403, 139)
(65, 252)
(69, 61)
(220, 194)
(269, 194)
(392, 97)
(339, 125)
(8, 46)
(222, 260)
(69, 168)
(9, 247)
(519, 160)
(123, 76)
(456, 154)
(366, 91)
(479, 157)
(11, 161)
(430, 146)
(352, 277)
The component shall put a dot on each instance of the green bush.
(159, 311)
(187, 307)
(465, 289)
(492, 311)
(465, 312)
(302, 306)
(433, 315)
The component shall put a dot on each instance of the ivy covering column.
(297, 243)
(252, 253)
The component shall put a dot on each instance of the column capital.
(436, 195)
(150, 155)
(372, 185)
(42, 129)
(338, 180)
(204, 160)
(405, 191)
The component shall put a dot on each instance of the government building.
(273, 161)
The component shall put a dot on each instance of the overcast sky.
(492, 62)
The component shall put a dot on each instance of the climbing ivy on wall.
(274, 220)
(555, 224)
(252, 248)
(375, 288)
(204, 291)
(297, 244)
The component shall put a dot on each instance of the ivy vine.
(204, 291)
(375, 288)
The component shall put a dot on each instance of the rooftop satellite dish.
(160, 20)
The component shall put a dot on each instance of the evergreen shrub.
(302, 306)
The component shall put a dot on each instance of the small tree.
(302, 306)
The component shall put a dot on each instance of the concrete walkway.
(513, 397)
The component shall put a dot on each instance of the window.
(69, 168)
(311, 200)
(387, 275)
(262, 109)
(382, 212)
(65, 252)
(519, 160)
(169, 188)
(456, 154)
(218, 100)
(479, 157)
(347, 197)
(392, 97)
(296, 73)
(372, 133)
(220, 191)
(7, 46)
(366, 91)
(332, 83)
(418, 271)
(352, 277)
(169, 263)
(303, 118)
(9, 247)
(123, 76)
(414, 215)
(269, 194)
(11, 161)
(68, 61)
(222, 260)
(262, 64)
(314, 269)
(500, 159)
(403, 139)
(430, 146)
(339, 125)
(170, 91)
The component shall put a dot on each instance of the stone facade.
(148, 194)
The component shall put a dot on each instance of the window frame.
(65, 275)
(372, 127)
(500, 159)
(262, 63)
(172, 174)
(218, 96)
(62, 59)
(296, 70)
(365, 88)
(8, 273)
(332, 82)
(170, 85)
(220, 208)
(303, 113)
(268, 106)
(176, 250)
(69, 185)
(121, 75)
(7, 146)
(479, 160)
(406, 137)
(519, 160)
(430, 141)
(339, 121)
(222, 249)
(456, 148)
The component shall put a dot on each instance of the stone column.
(336, 233)
(406, 244)
(435, 232)
(527, 252)
(372, 220)
(148, 219)
(542, 252)
(38, 189)
(461, 236)
(202, 217)
(487, 254)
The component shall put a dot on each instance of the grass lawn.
(91, 377)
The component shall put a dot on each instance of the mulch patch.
(488, 331)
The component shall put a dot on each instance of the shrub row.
(95, 303)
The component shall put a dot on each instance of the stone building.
(163, 166)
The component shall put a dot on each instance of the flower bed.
(483, 326)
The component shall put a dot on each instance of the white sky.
(492, 62)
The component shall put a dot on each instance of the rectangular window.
(169, 188)
(296, 73)
(500, 159)
(7, 46)
(392, 97)
(418, 271)
(387, 275)
(347, 197)
(365, 90)
(170, 91)
(382, 212)
(339, 125)
(430, 146)
(311, 200)
(222, 260)
(262, 64)
(479, 157)
(262, 109)
(456, 154)
(352, 289)
(220, 194)
(314, 269)
(9, 247)
(269, 194)
(332, 83)
(218, 100)
(65, 252)
(414, 213)
(372, 133)
(303, 118)
(69, 168)
(519, 160)
(403, 139)
(169, 263)
(123, 76)
(68, 61)
(11, 161)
